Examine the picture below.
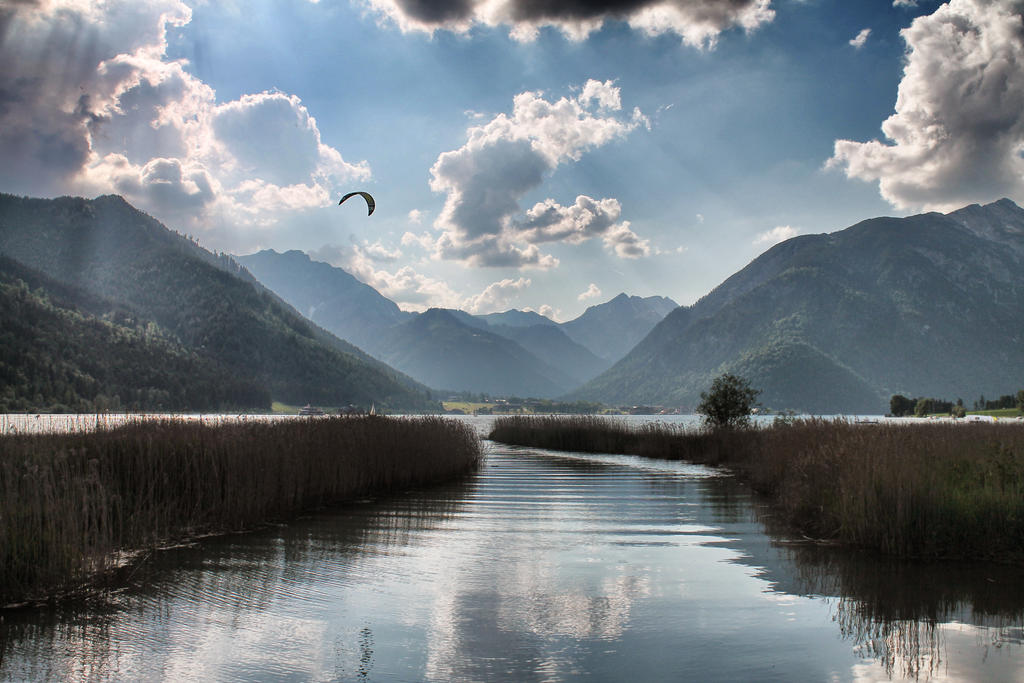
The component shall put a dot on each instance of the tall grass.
(921, 490)
(72, 505)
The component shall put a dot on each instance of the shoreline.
(916, 491)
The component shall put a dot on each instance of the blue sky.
(532, 155)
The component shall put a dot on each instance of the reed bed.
(943, 490)
(73, 506)
(63, 423)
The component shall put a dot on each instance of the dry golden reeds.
(72, 504)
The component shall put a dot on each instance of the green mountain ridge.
(836, 323)
(204, 302)
(65, 351)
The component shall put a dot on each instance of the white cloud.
(957, 134)
(415, 216)
(904, 3)
(593, 291)
(550, 312)
(509, 156)
(378, 253)
(696, 22)
(424, 240)
(411, 290)
(777, 234)
(549, 221)
(497, 296)
(626, 243)
(861, 38)
(89, 103)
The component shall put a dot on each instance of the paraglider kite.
(370, 204)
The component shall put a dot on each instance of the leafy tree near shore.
(931, 406)
(900, 405)
(729, 403)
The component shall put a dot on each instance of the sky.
(526, 154)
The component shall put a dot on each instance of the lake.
(539, 567)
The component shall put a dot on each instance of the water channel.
(538, 567)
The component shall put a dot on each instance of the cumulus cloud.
(593, 291)
(861, 38)
(89, 103)
(549, 221)
(423, 241)
(549, 311)
(904, 3)
(777, 234)
(957, 134)
(497, 296)
(509, 156)
(696, 22)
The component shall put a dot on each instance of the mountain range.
(511, 353)
(101, 307)
(928, 305)
(103, 262)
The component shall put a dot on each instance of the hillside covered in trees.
(838, 323)
(64, 351)
(96, 263)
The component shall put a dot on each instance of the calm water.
(540, 567)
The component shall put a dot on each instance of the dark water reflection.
(540, 567)
(901, 614)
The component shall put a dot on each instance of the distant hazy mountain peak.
(611, 329)
(331, 296)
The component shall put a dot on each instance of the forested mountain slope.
(202, 301)
(929, 305)
(62, 350)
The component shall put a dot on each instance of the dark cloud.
(698, 22)
(41, 146)
(533, 10)
(575, 9)
(436, 11)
